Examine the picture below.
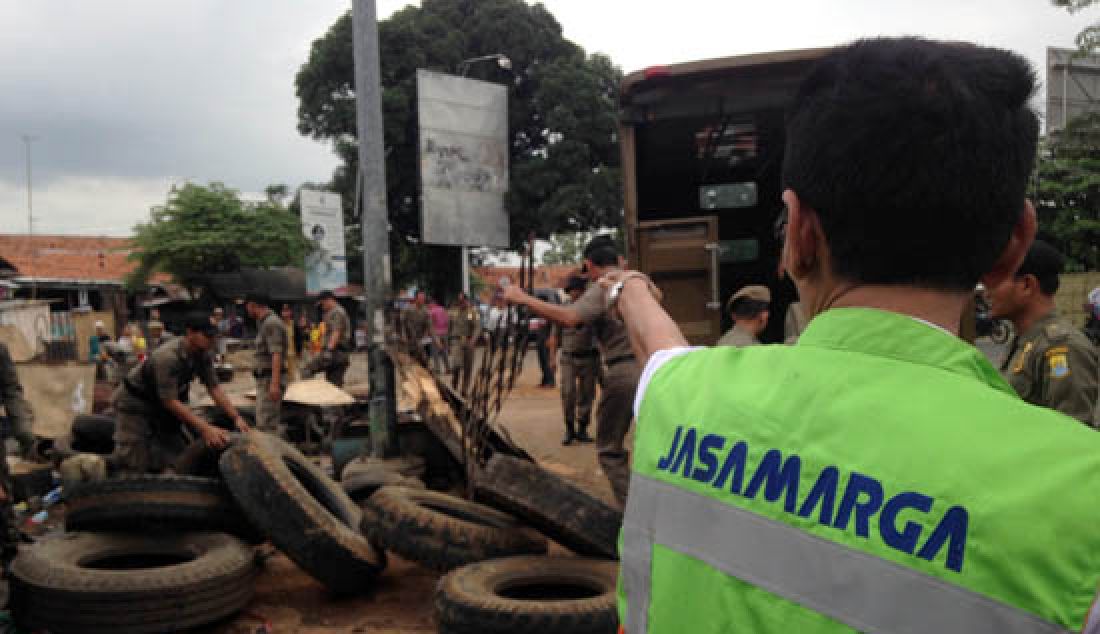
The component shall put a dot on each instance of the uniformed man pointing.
(1051, 362)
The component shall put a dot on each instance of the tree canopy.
(562, 117)
(1067, 191)
(208, 229)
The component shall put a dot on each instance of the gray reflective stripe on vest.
(860, 590)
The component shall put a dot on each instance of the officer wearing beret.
(1051, 362)
(749, 309)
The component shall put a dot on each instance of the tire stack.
(499, 578)
(142, 554)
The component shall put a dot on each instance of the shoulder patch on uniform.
(1059, 365)
(1021, 358)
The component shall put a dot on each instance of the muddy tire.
(93, 583)
(304, 513)
(558, 509)
(410, 466)
(443, 532)
(154, 505)
(536, 595)
(366, 483)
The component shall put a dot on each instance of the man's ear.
(1019, 242)
(800, 243)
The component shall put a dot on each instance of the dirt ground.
(288, 600)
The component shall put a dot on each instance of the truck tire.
(104, 583)
(536, 595)
(443, 532)
(92, 433)
(304, 513)
(155, 505)
(558, 509)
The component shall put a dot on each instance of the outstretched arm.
(648, 325)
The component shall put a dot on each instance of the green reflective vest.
(879, 476)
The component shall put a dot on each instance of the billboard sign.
(463, 160)
(1073, 86)
(323, 224)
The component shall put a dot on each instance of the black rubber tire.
(365, 483)
(155, 504)
(54, 587)
(558, 509)
(304, 513)
(534, 595)
(443, 532)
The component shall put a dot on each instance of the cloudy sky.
(124, 98)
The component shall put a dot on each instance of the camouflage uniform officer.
(580, 367)
(615, 410)
(269, 365)
(749, 309)
(18, 410)
(417, 323)
(152, 402)
(463, 329)
(335, 353)
(1051, 362)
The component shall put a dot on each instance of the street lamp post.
(504, 62)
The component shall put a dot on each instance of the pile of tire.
(141, 554)
(499, 578)
(164, 553)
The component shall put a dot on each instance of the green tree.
(562, 119)
(1067, 191)
(201, 230)
(1088, 39)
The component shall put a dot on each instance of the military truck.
(702, 147)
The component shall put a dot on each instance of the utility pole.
(27, 140)
(375, 224)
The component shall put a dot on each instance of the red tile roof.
(551, 276)
(99, 259)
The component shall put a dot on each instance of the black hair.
(1045, 263)
(747, 308)
(915, 155)
(602, 251)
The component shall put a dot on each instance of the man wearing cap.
(580, 366)
(463, 330)
(335, 352)
(268, 365)
(749, 310)
(157, 336)
(613, 416)
(152, 402)
(1051, 363)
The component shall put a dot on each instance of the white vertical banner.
(463, 160)
(323, 224)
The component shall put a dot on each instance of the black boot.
(582, 435)
(570, 434)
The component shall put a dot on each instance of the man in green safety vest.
(879, 475)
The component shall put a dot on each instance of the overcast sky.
(124, 98)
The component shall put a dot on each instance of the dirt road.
(291, 601)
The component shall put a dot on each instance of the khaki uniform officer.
(463, 329)
(580, 366)
(152, 402)
(614, 414)
(15, 405)
(335, 352)
(269, 365)
(1051, 362)
(417, 323)
(749, 309)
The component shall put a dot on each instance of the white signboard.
(323, 223)
(1073, 83)
(463, 160)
